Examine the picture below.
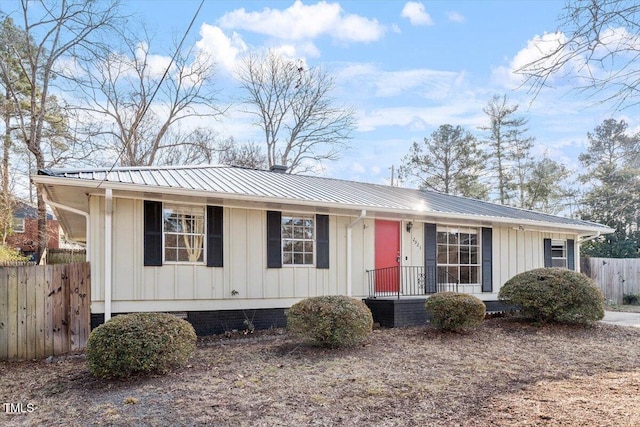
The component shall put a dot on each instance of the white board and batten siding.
(245, 282)
(523, 250)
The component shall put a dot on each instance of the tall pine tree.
(612, 164)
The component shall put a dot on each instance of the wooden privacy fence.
(44, 310)
(615, 276)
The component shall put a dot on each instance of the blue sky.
(407, 67)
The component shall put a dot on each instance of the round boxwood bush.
(555, 295)
(139, 344)
(330, 321)
(455, 312)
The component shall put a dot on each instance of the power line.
(153, 95)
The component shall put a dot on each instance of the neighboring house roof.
(24, 210)
(228, 182)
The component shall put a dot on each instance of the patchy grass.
(506, 373)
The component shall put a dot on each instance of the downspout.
(56, 205)
(349, 255)
(108, 224)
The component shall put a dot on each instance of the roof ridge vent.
(278, 169)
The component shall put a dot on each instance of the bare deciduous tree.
(248, 155)
(142, 129)
(302, 125)
(598, 43)
(53, 32)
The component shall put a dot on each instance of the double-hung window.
(183, 233)
(298, 239)
(458, 250)
(559, 253)
(18, 225)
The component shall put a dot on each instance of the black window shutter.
(487, 260)
(152, 233)
(322, 241)
(274, 239)
(430, 258)
(571, 255)
(547, 253)
(214, 236)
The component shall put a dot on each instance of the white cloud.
(421, 118)
(300, 22)
(455, 17)
(544, 52)
(358, 168)
(157, 64)
(223, 50)
(429, 84)
(297, 50)
(415, 13)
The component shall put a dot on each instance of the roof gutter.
(363, 213)
(588, 239)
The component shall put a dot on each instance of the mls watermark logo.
(18, 408)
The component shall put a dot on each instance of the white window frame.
(558, 245)
(289, 261)
(199, 213)
(18, 228)
(448, 245)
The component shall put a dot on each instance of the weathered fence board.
(615, 276)
(44, 310)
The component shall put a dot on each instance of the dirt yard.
(507, 373)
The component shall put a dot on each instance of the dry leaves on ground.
(506, 373)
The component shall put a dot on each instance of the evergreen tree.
(12, 80)
(508, 149)
(613, 198)
(450, 162)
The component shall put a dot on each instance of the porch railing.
(409, 281)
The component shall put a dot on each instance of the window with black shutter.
(175, 233)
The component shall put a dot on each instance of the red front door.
(387, 242)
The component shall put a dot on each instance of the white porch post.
(108, 226)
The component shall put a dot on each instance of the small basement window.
(559, 253)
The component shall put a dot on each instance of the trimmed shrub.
(455, 312)
(139, 344)
(555, 295)
(631, 299)
(330, 321)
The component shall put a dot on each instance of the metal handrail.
(400, 281)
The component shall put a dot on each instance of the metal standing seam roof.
(302, 188)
